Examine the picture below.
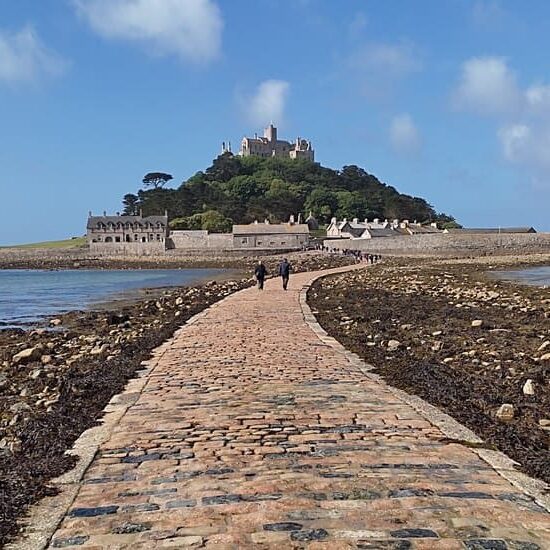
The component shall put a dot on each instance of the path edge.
(451, 428)
(44, 517)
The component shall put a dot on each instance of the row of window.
(128, 238)
(135, 226)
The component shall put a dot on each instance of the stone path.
(251, 432)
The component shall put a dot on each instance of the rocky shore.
(472, 345)
(55, 380)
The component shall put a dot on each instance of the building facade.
(270, 146)
(127, 234)
(287, 236)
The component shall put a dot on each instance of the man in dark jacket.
(284, 272)
(260, 272)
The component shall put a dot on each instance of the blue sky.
(444, 99)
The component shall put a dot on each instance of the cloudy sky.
(450, 101)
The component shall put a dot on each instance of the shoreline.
(63, 379)
(414, 322)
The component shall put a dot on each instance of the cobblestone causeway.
(251, 432)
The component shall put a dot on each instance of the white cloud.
(24, 58)
(190, 29)
(404, 136)
(488, 13)
(527, 145)
(537, 97)
(487, 86)
(389, 60)
(268, 103)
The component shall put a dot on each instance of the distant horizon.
(450, 103)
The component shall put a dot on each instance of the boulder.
(505, 412)
(545, 357)
(55, 322)
(477, 323)
(544, 345)
(27, 355)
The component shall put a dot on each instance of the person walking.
(284, 272)
(260, 272)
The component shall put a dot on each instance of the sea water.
(534, 276)
(27, 296)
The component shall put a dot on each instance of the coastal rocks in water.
(27, 355)
(477, 323)
(529, 387)
(505, 412)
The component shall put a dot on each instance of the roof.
(94, 220)
(488, 230)
(270, 229)
(382, 232)
(422, 229)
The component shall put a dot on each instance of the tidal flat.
(456, 336)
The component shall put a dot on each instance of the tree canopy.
(243, 189)
(156, 179)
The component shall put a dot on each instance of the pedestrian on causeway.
(284, 272)
(260, 272)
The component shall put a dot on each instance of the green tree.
(131, 204)
(323, 203)
(156, 179)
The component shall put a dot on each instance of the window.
(158, 237)
(108, 239)
(117, 239)
(136, 237)
(244, 241)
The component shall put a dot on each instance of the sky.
(448, 100)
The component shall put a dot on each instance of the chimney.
(266, 221)
(89, 213)
(104, 213)
(299, 218)
(256, 222)
(356, 220)
(366, 221)
(333, 220)
(291, 220)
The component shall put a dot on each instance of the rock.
(46, 359)
(27, 355)
(545, 423)
(99, 350)
(437, 346)
(544, 345)
(406, 326)
(505, 412)
(477, 323)
(3, 380)
(437, 333)
(545, 357)
(393, 345)
(55, 322)
(529, 387)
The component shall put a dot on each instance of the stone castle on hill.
(270, 146)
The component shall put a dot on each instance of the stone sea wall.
(445, 244)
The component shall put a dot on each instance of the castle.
(270, 146)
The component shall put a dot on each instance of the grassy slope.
(68, 243)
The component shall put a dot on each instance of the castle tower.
(270, 133)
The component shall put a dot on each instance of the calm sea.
(29, 295)
(534, 276)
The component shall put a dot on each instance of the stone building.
(271, 235)
(127, 234)
(270, 146)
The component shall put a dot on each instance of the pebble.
(393, 345)
(477, 323)
(505, 412)
(528, 387)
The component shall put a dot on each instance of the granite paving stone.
(253, 431)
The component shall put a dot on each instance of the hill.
(243, 189)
